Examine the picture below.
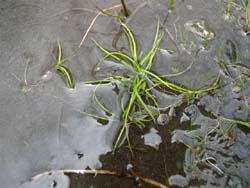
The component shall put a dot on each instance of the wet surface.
(167, 160)
(45, 126)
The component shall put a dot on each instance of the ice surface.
(152, 138)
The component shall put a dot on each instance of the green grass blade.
(112, 54)
(167, 84)
(64, 70)
(150, 55)
(119, 137)
(131, 40)
(145, 106)
(59, 53)
(107, 111)
(67, 75)
(178, 73)
(103, 81)
(136, 89)
(128, 108)
(248, 13)
(119, 55)
(181, 89)
(245, 123)
(125, 117)
(95, 116)
(170, 5)
(152, 98)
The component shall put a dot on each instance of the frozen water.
(152, 138)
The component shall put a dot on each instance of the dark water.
(46, 127)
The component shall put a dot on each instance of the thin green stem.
(107, 111)
(245, 123)
(248, 13)
(131, 40)
(170, 5)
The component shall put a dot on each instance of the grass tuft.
(141, 100)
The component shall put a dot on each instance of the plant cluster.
(141, 81)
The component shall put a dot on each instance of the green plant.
(205, 41)
(243, 5)
(183, 37)
(170, 5)
(231, 6)
(64, 70)
(247, 14)
(139, 82)
(246, 27)
(138, 89)
(236, 121)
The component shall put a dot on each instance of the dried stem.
(129, 174)
(94, 19)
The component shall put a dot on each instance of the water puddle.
(51, 136)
